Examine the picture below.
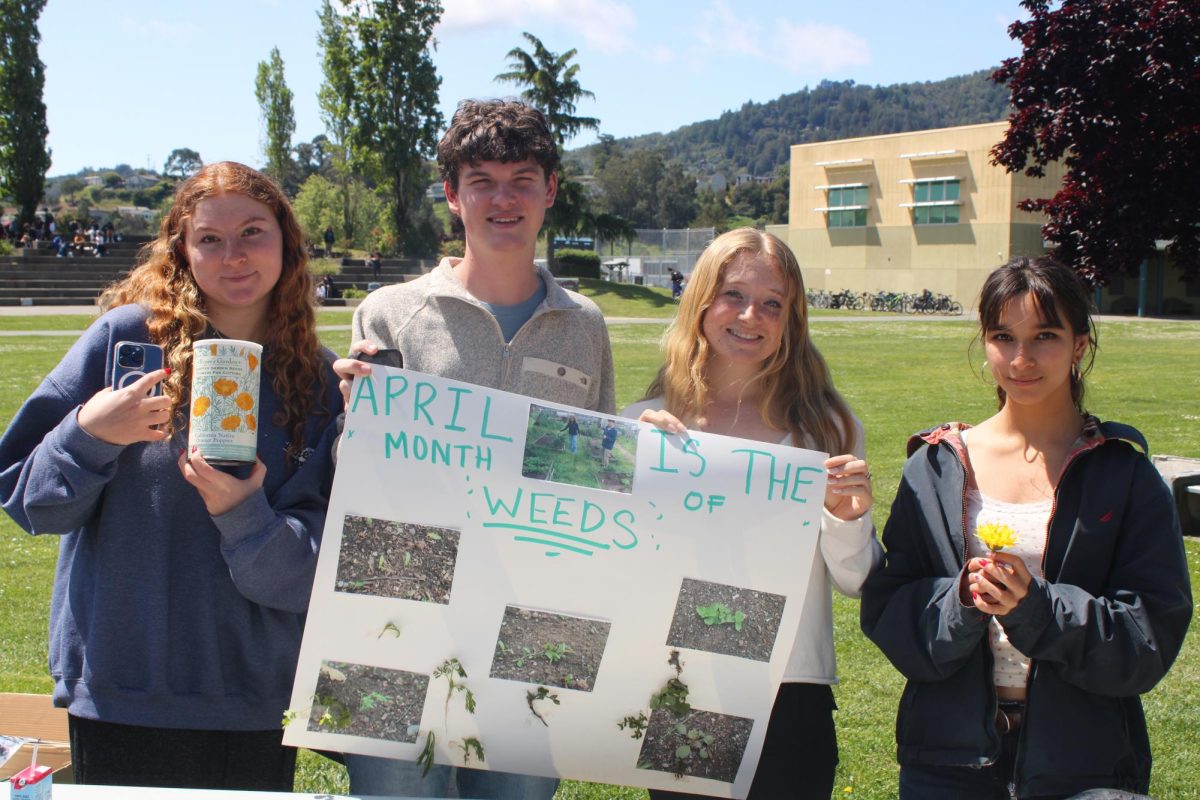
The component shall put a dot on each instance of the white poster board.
(462, 526)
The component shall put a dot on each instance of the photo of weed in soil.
(384, 558)
(730, 620)
(549, 649)
(703, 744)
(549, 455)
(368, 701)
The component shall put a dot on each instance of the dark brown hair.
(1056, 291)
(495, 130)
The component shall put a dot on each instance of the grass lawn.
(899, 378)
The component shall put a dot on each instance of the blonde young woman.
(1035, 582)
(739, 361)
(180, 592)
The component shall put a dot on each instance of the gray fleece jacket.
(561, 354)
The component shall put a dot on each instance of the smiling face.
(1030, 357)
(745, 322)
(502, 204)
(234, 247)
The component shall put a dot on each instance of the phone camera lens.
(131, 356)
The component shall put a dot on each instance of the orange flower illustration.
(251, 422)
(244, 401)
(232, 422)
(212, 348)
(252, 361)
(224, 386)
(200, 406)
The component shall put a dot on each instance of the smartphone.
(388, 358)
(132, 360)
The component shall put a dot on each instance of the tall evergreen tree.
(335, 100)
(551, 86)
(275, 101)
(395, 103)
(24, 157)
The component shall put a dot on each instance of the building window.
(935, 202)
(847, 207)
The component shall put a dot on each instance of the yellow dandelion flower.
(232, 422)
(224, 386)
(200, 406)
(996, 536)
(244, 401)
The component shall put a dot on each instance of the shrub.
(577, 263)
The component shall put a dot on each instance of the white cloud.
(605, 25)
(812, 47)
(798, 47)
(660, 54)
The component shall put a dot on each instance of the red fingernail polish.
(974, 595)
(167, 370)
(984, 561)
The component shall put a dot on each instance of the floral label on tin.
(223, 424)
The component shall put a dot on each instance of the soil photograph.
(730, 620)
(385, 558)
(580, 449)
(368, 701)
(548, 649)
(702, 744)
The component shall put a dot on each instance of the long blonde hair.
(164, 284)
(797, 393)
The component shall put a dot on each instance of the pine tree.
(275, 100)
(24, 157)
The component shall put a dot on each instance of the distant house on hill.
(141, 181)
(137, 211)
(93, 180)
(715, 182)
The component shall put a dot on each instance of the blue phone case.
(132, 360)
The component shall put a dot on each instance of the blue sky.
(129, 82)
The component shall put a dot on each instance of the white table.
(67, 791)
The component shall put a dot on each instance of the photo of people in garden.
(580, 449)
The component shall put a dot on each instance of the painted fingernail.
(984, 561)
(974, 595)
(167, 370)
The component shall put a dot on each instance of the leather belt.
(1009, 715)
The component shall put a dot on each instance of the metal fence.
(650, 258)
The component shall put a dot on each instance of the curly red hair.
(164, 284)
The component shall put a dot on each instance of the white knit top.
(1028, 520)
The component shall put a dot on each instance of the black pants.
(800, 754)
(131, 755)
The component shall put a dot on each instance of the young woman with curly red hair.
(180, 592)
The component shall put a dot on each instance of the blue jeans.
(390, 777)
(573, 442)
(978, 783)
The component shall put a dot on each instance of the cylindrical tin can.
(223, 424)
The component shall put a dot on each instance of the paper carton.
(32, 716)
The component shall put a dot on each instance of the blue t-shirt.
(511, 318)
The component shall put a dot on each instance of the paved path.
(817, 320)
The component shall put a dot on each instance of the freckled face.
(744, 325)
(1030, 358)
(234, 247)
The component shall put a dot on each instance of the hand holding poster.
(531, 588)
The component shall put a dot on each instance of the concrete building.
(928, 210)
(910, 211)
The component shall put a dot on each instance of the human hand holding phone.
(129, 414)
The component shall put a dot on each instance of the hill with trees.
(756, 138)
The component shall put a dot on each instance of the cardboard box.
(33, 716)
